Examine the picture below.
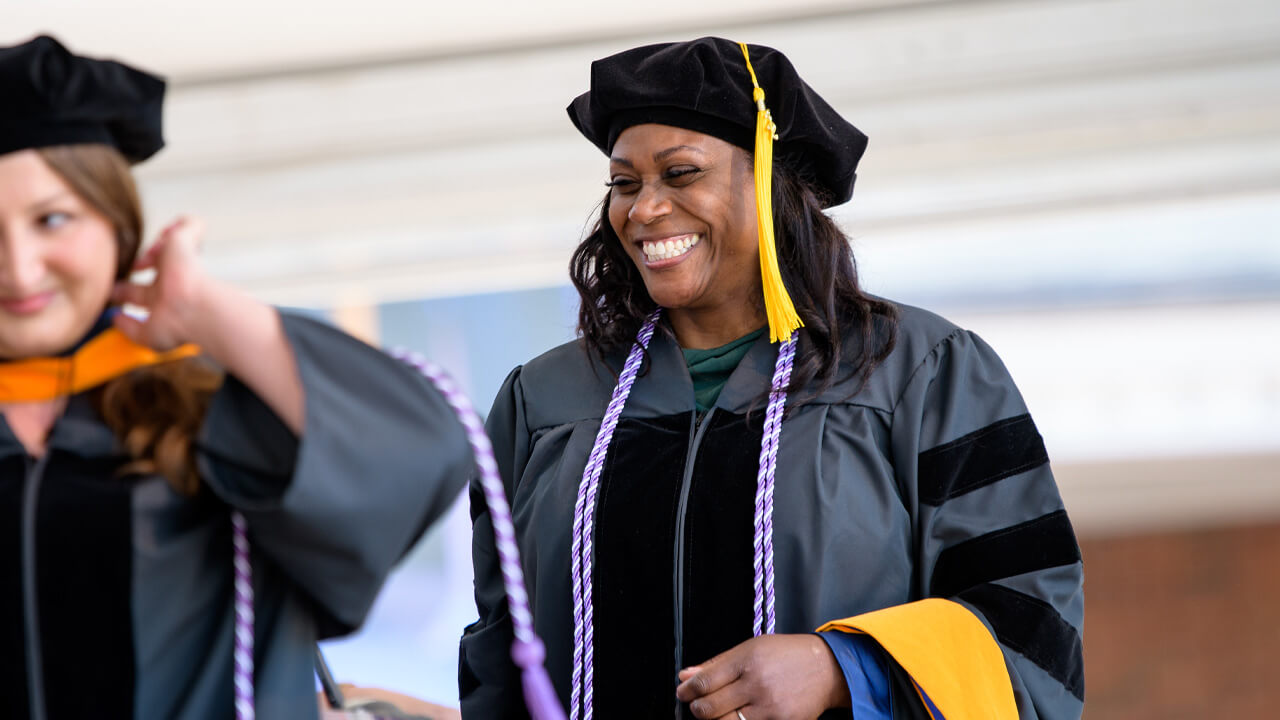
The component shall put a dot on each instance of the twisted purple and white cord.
(243, 672)
(764, 615)
(584, 512)
(584, 509)
(527, 651)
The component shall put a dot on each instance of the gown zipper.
(35, 667)
(696, 429)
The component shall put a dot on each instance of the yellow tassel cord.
(783, 319)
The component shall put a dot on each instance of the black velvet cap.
(49, 96)
(703, 85)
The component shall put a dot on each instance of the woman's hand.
(174, 299)
(772, 677)
(239, 333)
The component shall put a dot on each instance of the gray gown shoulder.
(564, 385)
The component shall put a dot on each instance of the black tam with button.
(48, 96)
(704, 85)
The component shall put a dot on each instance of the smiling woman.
(183, 498)
(695, 179)
(683, 211)
(75, 232)
(728, 511)
(59, 268)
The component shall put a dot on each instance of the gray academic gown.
(930, 481)
(132, 583)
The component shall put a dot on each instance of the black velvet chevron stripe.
(995, 452)
(1045, 542)
(1032, 628)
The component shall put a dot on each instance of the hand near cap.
(771, 677)
(172, 300)
(239, 333)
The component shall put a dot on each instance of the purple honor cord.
(527, 650)
(584, 511)
(243, 671)
(581, 556)
(762, 543)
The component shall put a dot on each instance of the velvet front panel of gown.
(636, 524)
(12, 624)
(70, 514)
(84, 579)
(672, 529)
(719, 530)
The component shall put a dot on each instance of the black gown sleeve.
(991, 537)
(488, 681)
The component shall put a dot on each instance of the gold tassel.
(783, 319)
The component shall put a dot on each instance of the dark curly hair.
(817, 267)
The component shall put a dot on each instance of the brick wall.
(1183, 624)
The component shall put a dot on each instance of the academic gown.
(118, 590)
(929, 482)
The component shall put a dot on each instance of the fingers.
(708, 677)
(185, 232)
(127, 293)
(184, 225)
(148, 258)
(144, 332)
(133, 328)
(723, 702)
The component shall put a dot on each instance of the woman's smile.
(664, 252)
(28, 305)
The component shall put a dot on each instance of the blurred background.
(1092, 185)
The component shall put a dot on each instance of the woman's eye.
(686, 173)
(621, 184)
(54, 220)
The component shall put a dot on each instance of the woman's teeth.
(667, 249)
